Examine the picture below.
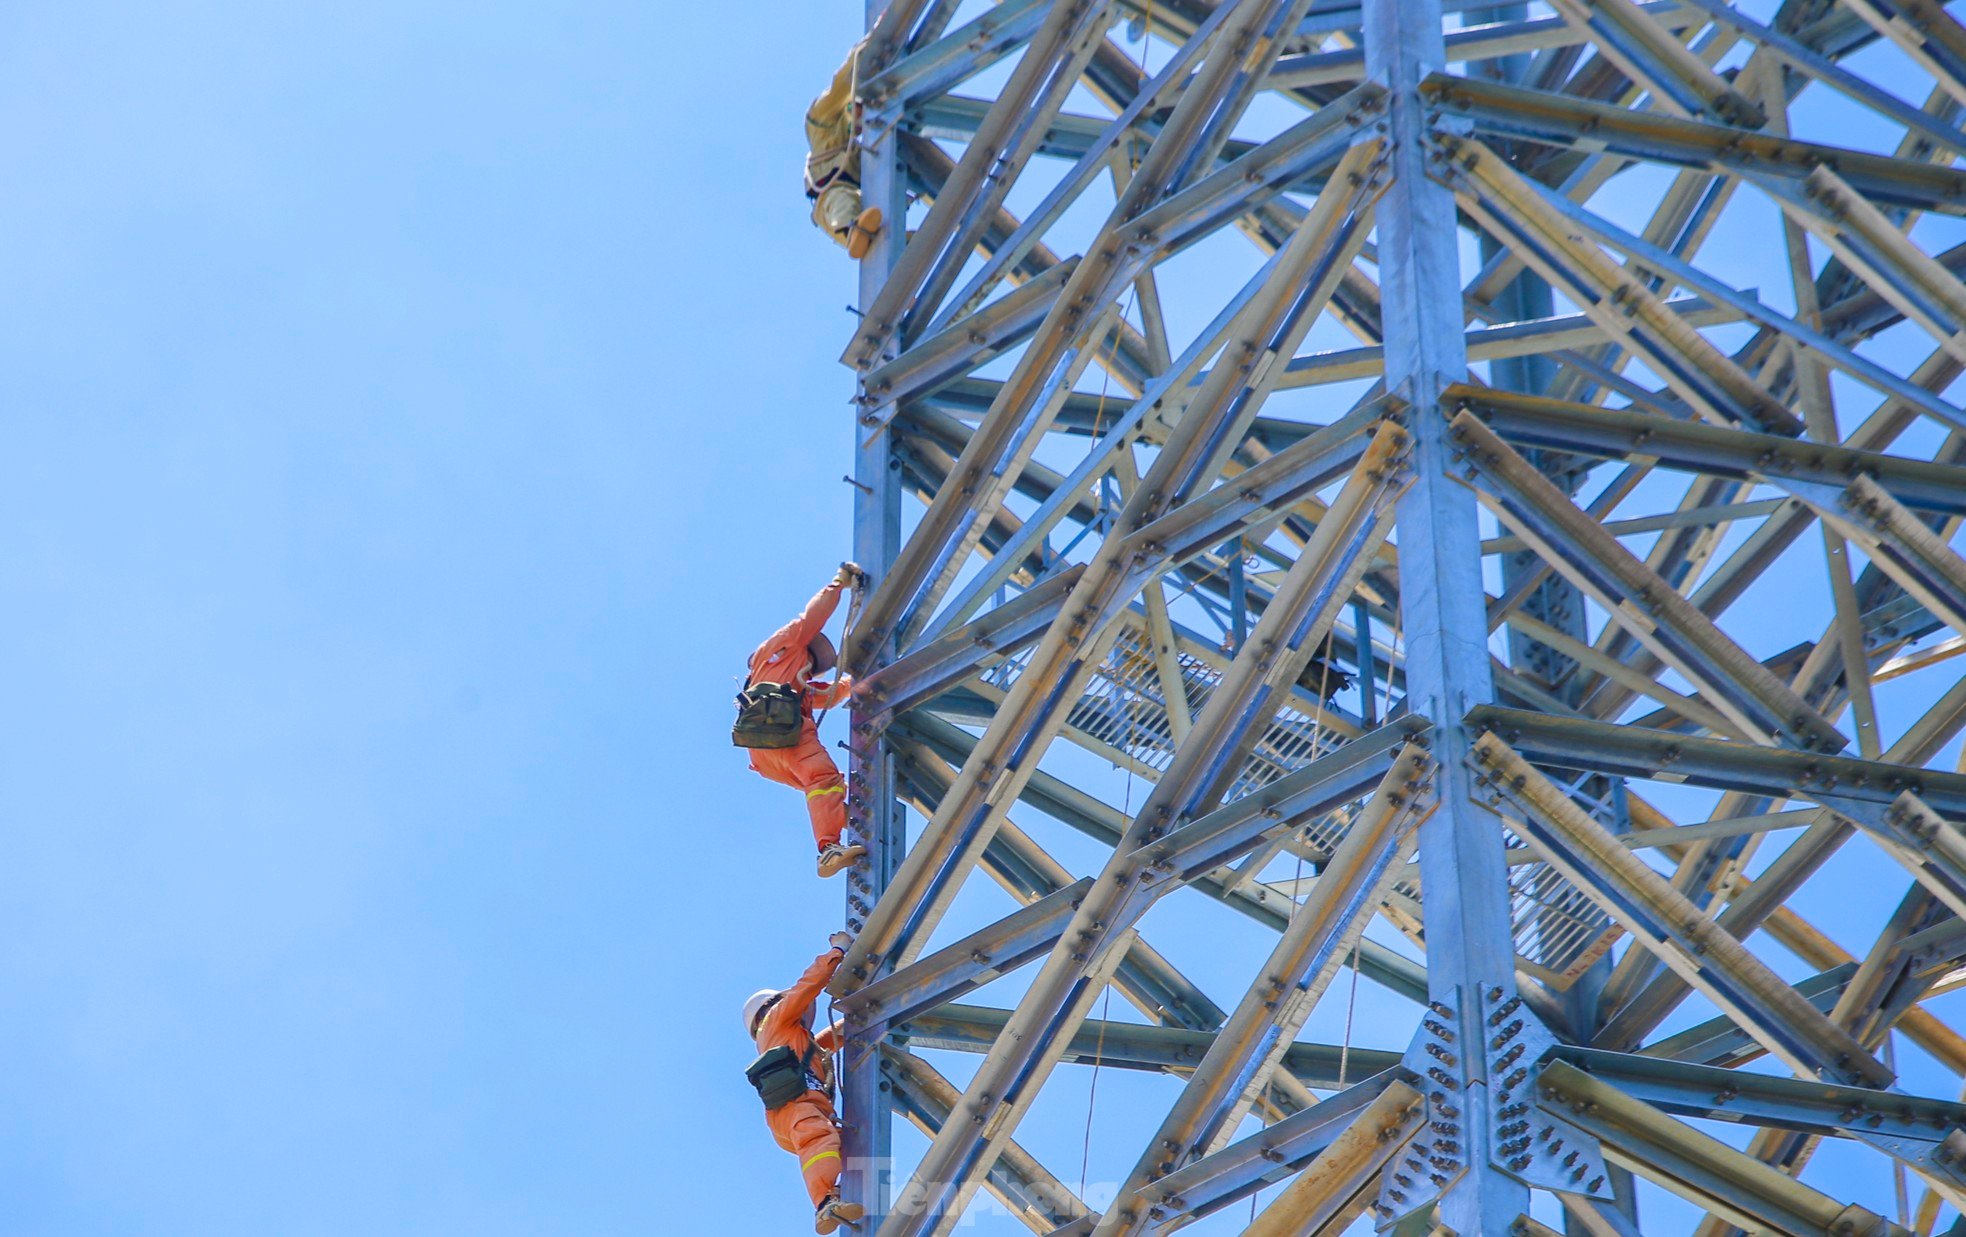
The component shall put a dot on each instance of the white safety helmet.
(755, 1005)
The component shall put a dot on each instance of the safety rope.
(838, 1055)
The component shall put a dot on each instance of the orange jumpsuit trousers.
(808, 767)
(806, 1126)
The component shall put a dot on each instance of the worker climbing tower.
(1487, 477)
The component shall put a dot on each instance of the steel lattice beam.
(1249, 571)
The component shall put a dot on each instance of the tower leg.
(1444, 617)
(875, 816)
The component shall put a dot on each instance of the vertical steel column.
(874, 813)
(1557, 602)
(1446, 628)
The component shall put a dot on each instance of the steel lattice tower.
(1470, 612)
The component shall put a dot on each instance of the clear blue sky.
(412, 408)
(415, 411)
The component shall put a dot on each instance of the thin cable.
(1106, 1002)
(1351, 1003)
(1351, 1007)
(1092, 1093)
(1897, 1166)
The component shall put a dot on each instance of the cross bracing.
(1472, 491)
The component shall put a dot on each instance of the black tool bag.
(768, 715)
(781, 1076)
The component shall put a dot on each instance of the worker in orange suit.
(793, 655)
(794, 1072)
(833, 163)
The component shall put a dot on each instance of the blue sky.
(412, 409)
(416, 411)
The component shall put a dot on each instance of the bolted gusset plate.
(1541, 1149)
(1436, 1066)
(1474, 1061)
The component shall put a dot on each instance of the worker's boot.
(833, 1213)
(836, 859)
(860, 237)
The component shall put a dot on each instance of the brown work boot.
(860, 237)
(833, 1213)
(836, 859)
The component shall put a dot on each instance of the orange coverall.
(805, 1126)
(805, 766)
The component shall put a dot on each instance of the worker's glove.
(850, 575)
(841, 941)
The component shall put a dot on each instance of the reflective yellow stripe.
(825, 790)
(815, 1159)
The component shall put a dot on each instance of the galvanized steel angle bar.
(1533, 421)
(1260, 1160)
(1365, 761)
(1578, 743)
(1696, 1167)
(1908, 1128)
(1483, 41)
(1897, 542)
(1879, 378)
(909, 1202)
(1016, 862)
(1471, 1057)
(1309, 147)
(1077, 54)
(1500, 341)
(1926, 32)
(1721, 1042)
(947, 355)
(1650, 609)
(926, 567)
(933, 666)
(1077, 643)
(1123, 127)
(1668, 924)
(1332, 1189)
(1515, 213)
(1142, 1047)
(999, 1094)
(961, 53)
(1873, 247)
(1035, 1196)
(888, 32)
(1823, 68)
(1654, 57)
(1519, 113)
(1102, 457)
(1010, 131)
(964, 965)
(1252, 1041)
